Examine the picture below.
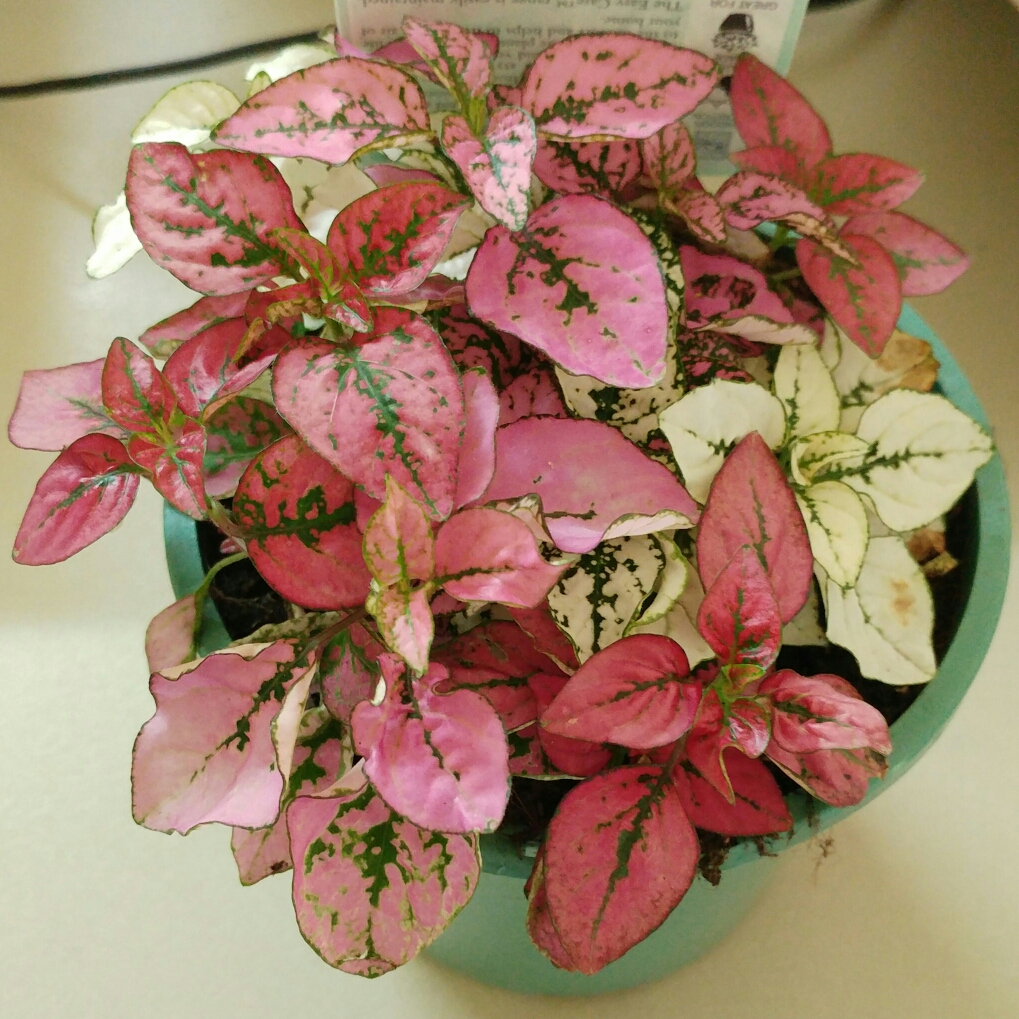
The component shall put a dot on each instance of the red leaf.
(597, 168)
(164, 337)
(297, 511)
(749, 198)
(776, 160)
(570, 756)
(208, 217)
(631, 694)
(176, 467)
(539, 625)
(83, 494)
(858, 182)
(751, 503)
(539, 920)
(620, 855)
(769, 111)
(839, 777)
(739, 617)
(865, 299)
(927, 262)
(135, 393)
(721, 288)
(233, 435)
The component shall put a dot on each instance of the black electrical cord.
(40, 88)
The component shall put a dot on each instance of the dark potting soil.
(245, 602)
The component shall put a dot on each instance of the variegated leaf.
(114, 238)
(477, 451)
(460, 60)
(405, 623)
(813, 455)
(856, 182)
(175, 466)
(186, 114)
(577, 168)
(707, 355)
(701, 213)
(398, 543)
(534, 393)
(329, 112)
(235, 433)
(679, 623)
(166, 336)
(837, 526)
(475, 345)
(134, 392)
(672, 582)
(349, 671)
(669, 158)
(565, 755)
(839, 777)
(170, 635)
(805, 387)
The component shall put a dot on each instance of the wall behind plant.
(61, 38)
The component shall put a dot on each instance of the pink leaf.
(169, 635)
(539, 920)
(393, 405)
(439, 291)
(175, 466)
(533, 394)
(58, 405)
(261, 853)
(619, 857)
(400, 51)
(526, 756)
(856, 182)
(927, 262)
(83, 494)
(392, 238)
(135, 393)
(353, 906)
(708, 355)
(438, 759)
(539, 625)
(739, 617)
(487, 555)
(203, 365)
(345, 48)
(758, 808)
(206, 755)
(234, 434)
(477, 451)
(701, 213)
(298, 515)
(720, 288)
(329, 112)
(384, 174)
(598, 168)
(776, 160)
(460, 60)
(632, 694)
(581, 282)
(571, 756)
(593, 482)
(474, 345)
(669, 158)
(822, 713)
(498, 166)
(398, 543)
(865, 299)
(349, 670)
(750, 198)
(751, 503)
(166, 336)
(208, 217)
(769, 111)
(614, 84)
(405, 623)
(838, 777)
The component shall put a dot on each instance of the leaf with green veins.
(207, 755)
(837, 527)
(208, 218)
(704, 425)
(349, 670)
(166, 336)
(669, 158)
(134, 392)
(329, 112)
(438, 759)
(619, 856)
(297, 514)
(393, 405)
(838, 777)
(808, 394)
(362, 872)
(405, 622)
(539, 920)
(671, 582)
(775, 160)
(496, 165)
(708, 355)
(235, 434)
(657, 232)
(864, 298)
(392, 238)
(581, 282)
(597, 168)
(398, 544)
(701, 213)
(857, 182)
(532, 394)
(924, 454)
(175, 466)
(887, 618)
(596, 601)
(460, 60)
(614, 84)
(475, 345)
(811, 456)
(186, 114)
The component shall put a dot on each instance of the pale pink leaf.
(460, 60)
(477, 451)
(592, 481)
(398, 543)
(175, 467)
(749, 198)
(349, 671)
(620, 855)
(169, 636)
(405, 623)
(927, 262)
(769, 111)
(166, 336)
(751, 503)
(207, 754)
(614, 84)
(297, 513)
(329, 112)
(384, 174)
(857, 182)
(440, 760)
(208, 217)
(439, 291)
(362, 871)
(864, 299)
(635, 693)
(582, 283)
(58, 405)
(598, 168)
(838, 777)
(134, 392)
(393, 405)
(261, 853)
(83, 494)
(400, 51)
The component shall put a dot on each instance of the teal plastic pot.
(488, 940)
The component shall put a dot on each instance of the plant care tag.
(723, 29)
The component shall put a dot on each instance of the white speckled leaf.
(887, 619)
(836, 522)
(814, 454)
(671, 582)
(806, 390)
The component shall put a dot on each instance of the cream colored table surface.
(915, 912)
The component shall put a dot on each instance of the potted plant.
(595, 514)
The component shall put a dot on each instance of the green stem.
(787, 274)
(781, 236)
(203, 592)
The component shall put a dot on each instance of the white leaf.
(115, 240)
(924, 453)
(679, 623)
(805, 627)
(671, 582)
(703, 426)
(887, 619)
(812, 455)
(758, 329)
(186, 114)
(836, 522)
(806, 390)
(830, 347)
(293, 58)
